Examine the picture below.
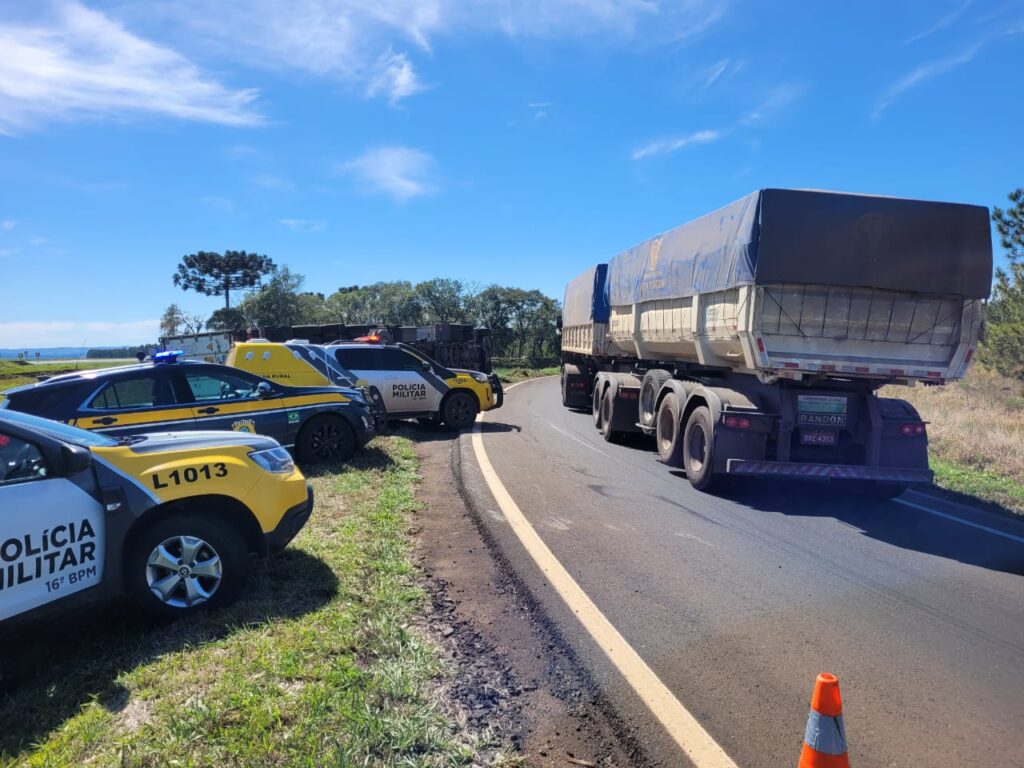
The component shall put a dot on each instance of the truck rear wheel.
(649, 389)
(669, 431)
(699, 449)
(596, 402)
(608, 416)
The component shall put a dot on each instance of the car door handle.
(104, 421)
(208, 410)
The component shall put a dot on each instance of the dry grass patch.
(976, 434)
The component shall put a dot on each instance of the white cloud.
(943, 22)
(5, 252)
(715, 72)
(368, 44)
(400, 172)
(29, 335)
(270, 181)
(776, 98)
(218, 203)
(394, 77)
(920, 75)
(79, 63)
(304, 225)
(665, 146)
(38, 241)
(8, 224)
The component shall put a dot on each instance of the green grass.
(981, 484)
(14, 373)
(512, 375)
(316, 665)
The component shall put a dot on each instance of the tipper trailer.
(752, 341)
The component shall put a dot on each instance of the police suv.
(409, 383)
(326, 423)
(172, 518)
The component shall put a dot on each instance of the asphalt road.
(737, 603)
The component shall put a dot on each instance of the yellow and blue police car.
(327, 423)
(408, 383)
(172, 519)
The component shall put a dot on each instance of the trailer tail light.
(760, 345)
(737, 422)
(912, 430)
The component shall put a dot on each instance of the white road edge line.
(696, 743)
(960, 520)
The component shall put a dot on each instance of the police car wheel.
(460, 410)
(185, 563)
(325, 439)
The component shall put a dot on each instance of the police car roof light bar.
(169, 356)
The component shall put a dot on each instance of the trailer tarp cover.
(586, 298)
(803, 236)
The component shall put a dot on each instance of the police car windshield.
(56, 429)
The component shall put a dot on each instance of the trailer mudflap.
(829, 471)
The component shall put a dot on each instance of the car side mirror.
(426, 366)
(74, 459)
(263, 389)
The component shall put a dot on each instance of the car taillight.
(737, 422)
(912, 430)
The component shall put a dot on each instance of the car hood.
(156, 442)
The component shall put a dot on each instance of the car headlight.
(480, 377)
(276, 460)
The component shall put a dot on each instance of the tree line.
(522, 322)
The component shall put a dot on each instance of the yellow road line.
(696, 743)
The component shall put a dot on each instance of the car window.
(359, 358)
(146, 391)
(19, 460)
(400, 360)
(221, 385)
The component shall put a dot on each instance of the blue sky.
(491, 141)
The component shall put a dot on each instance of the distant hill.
(48, 353)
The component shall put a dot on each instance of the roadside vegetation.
(317, 665)
(976, 434)
(14, 373)
(512, 375)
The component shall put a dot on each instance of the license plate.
(821, 410)
(818, 437)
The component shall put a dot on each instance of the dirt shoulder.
(513, 675)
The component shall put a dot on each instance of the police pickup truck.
(410, 384)
(170, 518)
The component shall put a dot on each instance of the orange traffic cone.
(825, 738)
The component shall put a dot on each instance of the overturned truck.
(752, 341)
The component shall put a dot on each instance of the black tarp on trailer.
(813, 237)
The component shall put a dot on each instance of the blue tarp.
(804, 236)
(586, 298)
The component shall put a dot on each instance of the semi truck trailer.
(753, 340)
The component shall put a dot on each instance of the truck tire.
(649, 389)
(608, 417)
(669, 431)
(596, 400)
(568, 370)
(325, 439)
(459, 411)
(186, 563)
(699, 448)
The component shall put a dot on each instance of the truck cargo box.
(585, 313)
(794, 282)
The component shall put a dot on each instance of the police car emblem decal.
(244, 425)
(293, 417)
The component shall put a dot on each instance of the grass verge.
(975, 434)
(14, 373)
(316, 665)
(512, 375)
